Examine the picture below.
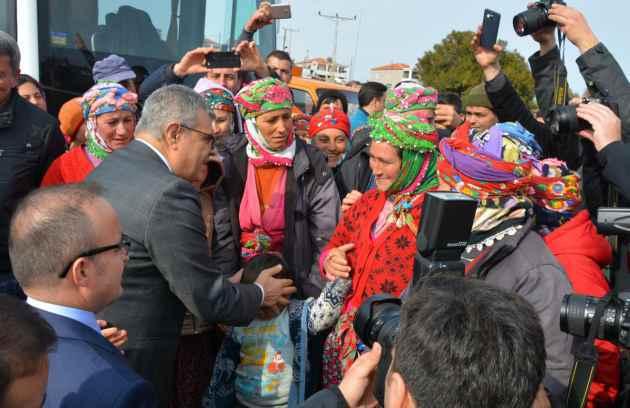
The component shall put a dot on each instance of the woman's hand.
(336, 263)
(350, 199)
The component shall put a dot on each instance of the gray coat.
(524, 265)
(311, 210)
(169, 267)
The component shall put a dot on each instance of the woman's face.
(333, 143)
(223, 123)
(385, 163)
(116, 128)
(331, 103)
(32, 94)
(275, 127)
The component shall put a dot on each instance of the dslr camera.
(563, 119)
(447, 220)
(534, 18)
(577, 312)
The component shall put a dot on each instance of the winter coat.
(30, 141)
(311, 210)
(522, 263)
(583, 253)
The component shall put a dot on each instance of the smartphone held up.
(489, 29)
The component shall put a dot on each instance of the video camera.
(447, 220)
(578, 312)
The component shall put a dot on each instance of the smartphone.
(280, 11)
(489, 29)
(223, 59)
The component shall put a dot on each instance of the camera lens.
(377, 320)
(532, 20)
(564, 120)
(576, 314)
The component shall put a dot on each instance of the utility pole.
(284, 36)
(336, 19)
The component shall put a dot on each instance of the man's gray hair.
(173, 103)
(9, 47)
(49, 229)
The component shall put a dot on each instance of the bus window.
(73, 34)
(7, 17)
(302, 100)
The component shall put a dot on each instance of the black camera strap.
(586, 360)
(560, 82)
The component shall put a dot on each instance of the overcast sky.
(389, 31)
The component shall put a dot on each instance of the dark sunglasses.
(124, 244)
(207, 136)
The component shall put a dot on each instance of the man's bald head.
(50, 227)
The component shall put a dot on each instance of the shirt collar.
(82, 316)
(159, 153)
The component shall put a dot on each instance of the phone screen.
(224, 59)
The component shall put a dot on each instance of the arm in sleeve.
(224, 252)
(325, 310)
(545, 69)
(245, 36)
(176, 242)
(160, 77)
(615, 161)
(323, 218)
(604, 77)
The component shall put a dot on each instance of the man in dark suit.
(68, 253)
(170, 269)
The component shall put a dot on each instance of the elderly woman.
(282, 195)
(375, 242)
(109, 110)
(497, 168)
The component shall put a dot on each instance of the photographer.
(509, 107)
(445, 357)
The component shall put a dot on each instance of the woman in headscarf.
(573, 239)
(497, 167)
(282, 196)
(109, 111)
(220, 101)
(375, 242)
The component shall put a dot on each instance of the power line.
(336, 19)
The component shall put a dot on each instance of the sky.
(400, 31)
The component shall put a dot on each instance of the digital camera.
(534, 18)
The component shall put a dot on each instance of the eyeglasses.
(124, 245)
(208, 137)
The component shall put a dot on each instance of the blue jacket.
(360, 118)
(85, 370)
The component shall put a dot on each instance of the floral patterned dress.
(381, 264)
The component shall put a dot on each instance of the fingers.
(282, 301)
(288, 291)
(345, 248)
(285, 283)
(498, 48)
(587, 134)
(367, 362)
(201, 51)
(272, 271)
(101, 323)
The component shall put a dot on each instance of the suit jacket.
(169, 266)
(85, 370)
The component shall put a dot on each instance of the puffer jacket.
(311, 210)
(583, 253)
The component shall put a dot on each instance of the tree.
(451, 66)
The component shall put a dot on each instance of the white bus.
(61, 39)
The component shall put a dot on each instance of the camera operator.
(509, 107)
(613, 155)
(445, 357)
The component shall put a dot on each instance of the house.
(390, 74)
(324, 69)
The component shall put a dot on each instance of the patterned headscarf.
(216, 96)
(409, 96)
(257, 98)
(104, 97)
(494, 167)
(262, 96)
(329, 119)
(555, 191)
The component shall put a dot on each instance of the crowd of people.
(194, 240)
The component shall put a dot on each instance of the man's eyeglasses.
(124, 244)
(208, 137)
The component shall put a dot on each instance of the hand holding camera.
(193, 62)
(260, 18)
(606, 125)
(573, 23)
